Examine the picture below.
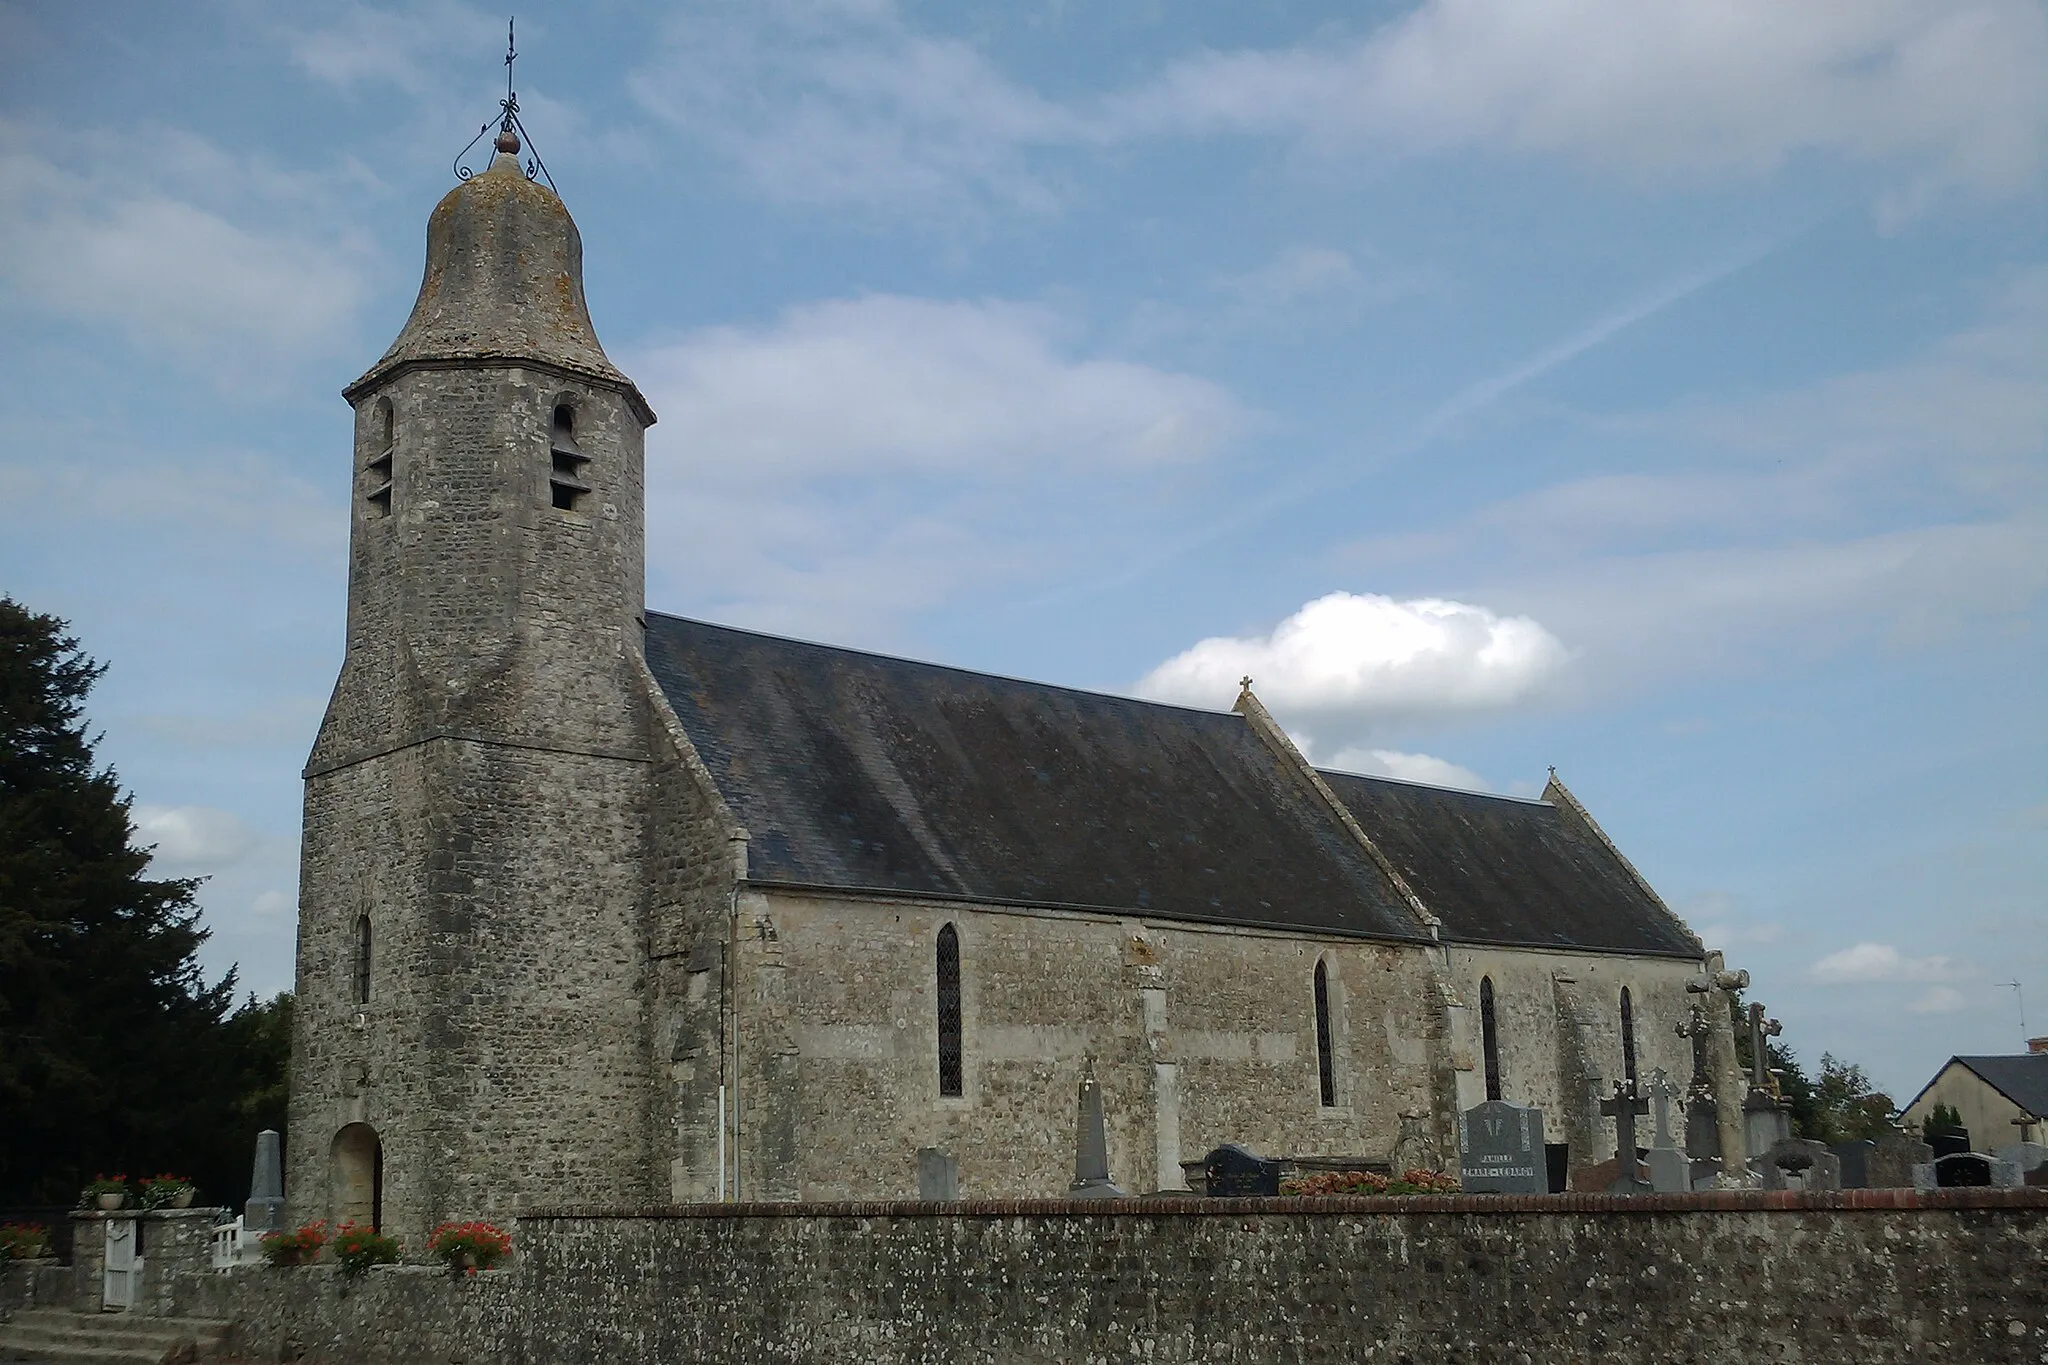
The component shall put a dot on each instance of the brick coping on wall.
(1701, 1201)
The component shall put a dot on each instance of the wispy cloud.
(833, 102)
(858, 461)
(1878, 962)
(234, 284)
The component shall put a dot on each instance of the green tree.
(1839, 1105)
(115, 1053)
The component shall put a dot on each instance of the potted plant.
(23, 1241)
(167, 1192)
(104, 1192)
(356, 1247)
(469, 1247)
(299, 1247)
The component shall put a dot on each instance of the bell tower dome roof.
(503, 284)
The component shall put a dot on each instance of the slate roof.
(2023, 1079)
(863, 772)
(1497, 870)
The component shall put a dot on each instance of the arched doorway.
(356, 1176)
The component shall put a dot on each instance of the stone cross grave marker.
(1670, 1169)
(1761, 1031)
(1500, 1150)
(1623, 1108)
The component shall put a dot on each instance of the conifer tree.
(114, 1053)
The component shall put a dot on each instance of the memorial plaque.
(1231, 1171)
(938, 1175)
(1501, 1150)
(1961, 1170)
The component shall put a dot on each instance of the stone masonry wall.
(1536, 1046)
(1869, 1276)
(479, 791)
(1198, 1036)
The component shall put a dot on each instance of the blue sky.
(1653, 388)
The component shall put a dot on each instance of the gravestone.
(1961, 1170)
(1891, 1162)
(1234, 1172)
(1855, 1159)
(1800, 1164)
(1557, 1163)
(1091, 1145)
(1414, 1148)
(1670, 1169)
(265, 1210)
(2028, 1156)
(1765, 1124)
(1623, 1108)
(1702, 1114)
(1500, 1150)
(938, 1175)
(1948, 1141)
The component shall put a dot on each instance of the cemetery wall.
(1197, 1036)
(1875, 1276)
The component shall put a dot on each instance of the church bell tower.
(469, 1035)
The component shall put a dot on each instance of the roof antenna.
(510, 129)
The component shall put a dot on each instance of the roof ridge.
(1437, 787)
(1123, 697)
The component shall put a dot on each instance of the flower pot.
(110, 1202)
(182, 1200)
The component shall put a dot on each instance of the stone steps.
(54, 1334)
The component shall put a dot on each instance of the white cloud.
(1358, 656)
(834, 102)
(843, 101)
(887, 383)
(192, 838)
(1874, 962)
(1427, 768)
(359, 45)
(857, 461)
(1940, 1000)
(1664, 88)
(88, 239)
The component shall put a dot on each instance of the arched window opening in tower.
(362, 981)
(1489, 1037)
(377, 470)
(566, 459)
(1628, 1037)
(1326, 1075)
(949, 1011)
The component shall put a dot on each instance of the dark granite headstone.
(1960, 1170)
(1500, 1150)
(1948, 1141)
(1557, 1162)
(1855, 1159)
(1231, 1171)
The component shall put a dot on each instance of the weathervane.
(510, 129)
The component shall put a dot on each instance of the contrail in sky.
(1473, 398)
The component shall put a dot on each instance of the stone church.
(601, 906)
